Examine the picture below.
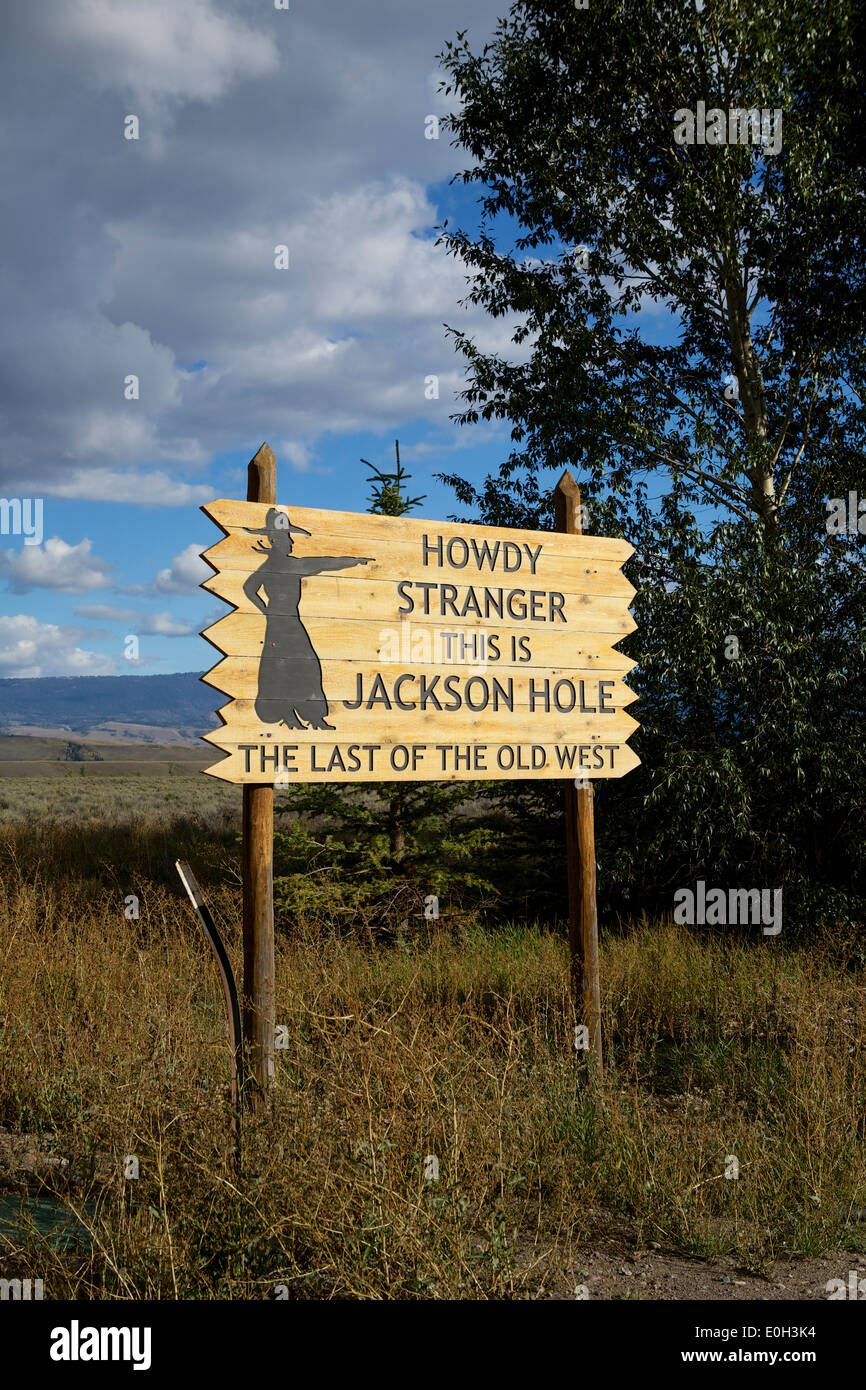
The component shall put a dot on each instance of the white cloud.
(55, 565)
(337, 342)
(146, 489)
(296, 452)
(163, 625)
(174, 49)
(186, 572)
(150, 624)
(102, 612)
(29, 648)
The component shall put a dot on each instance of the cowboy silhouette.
(290, 673)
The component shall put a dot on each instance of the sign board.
(374, 648)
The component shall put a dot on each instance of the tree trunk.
(397, 825)
(747, 370)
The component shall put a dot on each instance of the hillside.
(168, 709)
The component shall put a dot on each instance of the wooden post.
(258, 869)
(580, 849)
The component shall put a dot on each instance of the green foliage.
(755, 261)
(754, 760)
(336, 861)
(389, 496)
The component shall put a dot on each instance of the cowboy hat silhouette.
(276, 524)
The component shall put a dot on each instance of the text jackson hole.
(478, 693)
(413, 691)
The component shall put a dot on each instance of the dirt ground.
(653, 1274)
(612, 1264)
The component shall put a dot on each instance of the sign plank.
(495, 722)
(243, 634)
(380, 648)
(285, 763)
(559, 688)
(395, 559)
(238, 517)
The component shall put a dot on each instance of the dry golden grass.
(113, 1045)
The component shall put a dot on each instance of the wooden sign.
(373, 648)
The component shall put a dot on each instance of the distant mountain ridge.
(128, 709)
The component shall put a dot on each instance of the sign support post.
(258, 869)
(580, 848)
